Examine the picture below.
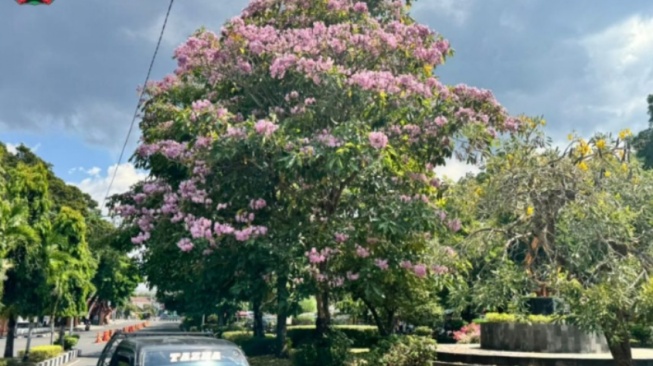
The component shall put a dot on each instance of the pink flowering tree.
(308, 132)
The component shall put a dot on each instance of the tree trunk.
(620, 348)
(282, 314)
(29, 341)
(11, 336)
(52, 319)
(259, 331)
(62, 330)
(386, 327)
(323, 321)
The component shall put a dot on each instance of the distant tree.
(643, 141)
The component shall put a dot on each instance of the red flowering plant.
(307, 132)
(470, 333)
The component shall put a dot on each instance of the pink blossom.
(420, 270)
(406, 264)
(378, 140)
(315, 257)
(341, 238)
(266, 128)
(185, 245)
(141, 238)
(257, 204)
(440, 121)
(381, 263)
(454, 225)
(352, 276)
(440, 270)
(360, 7)
(362, 252)
(235, 133)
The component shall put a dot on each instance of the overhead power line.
(138, 105)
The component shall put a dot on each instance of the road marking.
(74, 362)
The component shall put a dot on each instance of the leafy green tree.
(25, 282)
(301, 142)
(643, 141)
(574, 223)
(72, 266)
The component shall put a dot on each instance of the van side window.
(121, 358)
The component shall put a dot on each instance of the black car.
(163, 349)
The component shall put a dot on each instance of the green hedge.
(362, 336)
(41, 353)
(14, 362)
(512, 318)
(250, 345)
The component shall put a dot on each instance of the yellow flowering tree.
(575, 223)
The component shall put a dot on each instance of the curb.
(61, 359)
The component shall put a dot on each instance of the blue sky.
(69, 75)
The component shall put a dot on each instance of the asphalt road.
(90, 350)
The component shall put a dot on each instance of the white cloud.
(94, 171)
(11, 148)
(97, 184)
(456, 169)
(621, 69)
(457, 10)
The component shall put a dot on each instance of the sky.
(70, 71)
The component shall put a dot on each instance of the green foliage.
(42, 353)
(330, 350)
(268, 361)
(641, 335)
(251, 345)
(500, 318)
(361, 336)
(404, 351)
(303, 319)
(15, 362)
(69, 341)
(423, 331)
(513, 318)
(308, 305)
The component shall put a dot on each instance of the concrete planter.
(550, 338)
(62, 359)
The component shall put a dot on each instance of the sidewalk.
(45, 332)
(86, 339)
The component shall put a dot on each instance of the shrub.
(252, 346)
(303, 319)
(331, 350)
(362, 336)
(641, 335)
(500, 318)
(41, 353)
(212, 319)
(423, 331)
(308, 305)
(14, 362)
(512, 318)
(404, 351)
(540, 319)
(69, 341)
(470, 333)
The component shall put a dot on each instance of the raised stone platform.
(549, 338)
(472, 354)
